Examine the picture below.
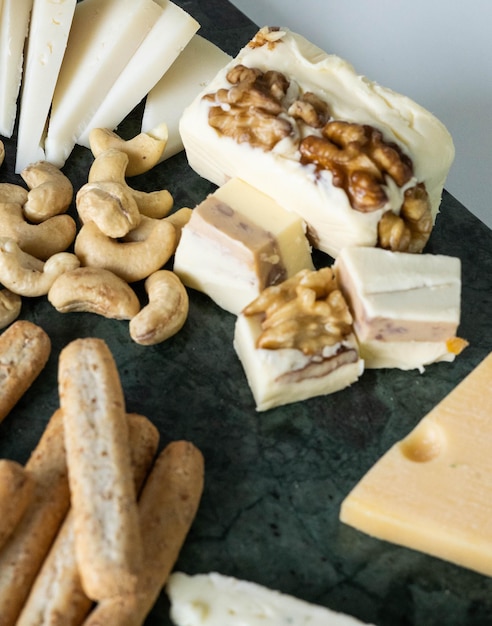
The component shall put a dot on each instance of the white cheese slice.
(237, 242)
(325, 207)
(163, 44)
(104, 36)
(48, 34)
(431, 491)
(13, 32)
(188, 75)
(217, 600)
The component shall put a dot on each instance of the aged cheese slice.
(48, 34)
(406, 307)
(188, 75)
(237, 242)
(270, 159)
(163, 44)
(431, 491)
(104, 36)
(13, 32)
(217, 600)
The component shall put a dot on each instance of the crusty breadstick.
(23, 554)
(107, 533)
(167, 508)
(24, 351)
(57, 597)
(16, 489)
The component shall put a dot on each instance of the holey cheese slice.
(48, 34)
(406, 307)
(104, 36)
(188, 75)
(360, 163)
(431, 491)
(162, 45)
(237, 242)
(14, 23)
(217, 600)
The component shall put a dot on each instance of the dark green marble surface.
(275, 481)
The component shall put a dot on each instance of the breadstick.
(24, 351)
(24, 552)
(167, 508)
(107, 533)
(16, 489)
(57, 597)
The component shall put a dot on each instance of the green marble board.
(275, 480)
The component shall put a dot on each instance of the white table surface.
(438, 52)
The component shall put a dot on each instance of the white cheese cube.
(163, 44)
(48, 34)
(104, 36)
(188, 75)
(13, 32)
(237, 242)
(406, 307)
(217, 600)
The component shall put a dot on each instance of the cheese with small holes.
(237, 242)
(296, 341)
(406, 307)
(431, 491)
(359, 162)
(188, 75)
(14, 24)
(155, 55)
(105, 34)
(216, 600)
(48, 35)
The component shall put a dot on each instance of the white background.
(438, 52)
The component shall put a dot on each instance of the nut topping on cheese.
(296, 341)
(361, 164)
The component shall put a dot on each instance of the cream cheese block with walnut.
(360, 163)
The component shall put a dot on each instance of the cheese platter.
(275, 481)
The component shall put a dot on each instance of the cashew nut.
(51, 192)
(94, 290)
(144, 151)
(10, 307)
(166, 312)
(2, 152)
(133, 260)
(13, 193)
(110, 205)
(26, 275)
(41, 240)
(178, 219)
(111, 165)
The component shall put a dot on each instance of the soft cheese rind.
(215, 599)
(430, 491)
(406, 307)
(350, 97)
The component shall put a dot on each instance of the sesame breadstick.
(16, 489)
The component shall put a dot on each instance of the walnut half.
(306, 312)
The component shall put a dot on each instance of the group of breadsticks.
(93, 523)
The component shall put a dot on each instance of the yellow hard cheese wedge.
(432, 491)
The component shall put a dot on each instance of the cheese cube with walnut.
(296, 340)
(361, 164)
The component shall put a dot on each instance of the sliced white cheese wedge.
(431, 490)
(406, 307)
(237, 242)
(188, 75)
(217, 600)
(264, 130)
(163, 44)
(104, 36)
(13, 32)
(48, 34)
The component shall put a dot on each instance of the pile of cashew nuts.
(122, 236)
